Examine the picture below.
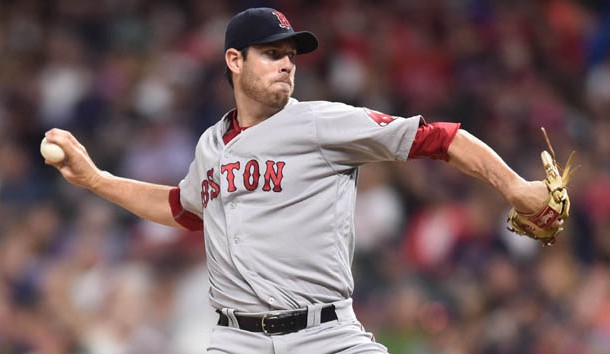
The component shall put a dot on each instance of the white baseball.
(51, 152)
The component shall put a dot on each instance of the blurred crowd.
(137, 82)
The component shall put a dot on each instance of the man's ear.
(233, 60)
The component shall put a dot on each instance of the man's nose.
(286, 64)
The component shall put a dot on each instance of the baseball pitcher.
(273, 186)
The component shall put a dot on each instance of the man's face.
(268, 73)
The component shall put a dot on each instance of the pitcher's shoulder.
(322, 108)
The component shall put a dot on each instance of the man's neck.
(250, 112)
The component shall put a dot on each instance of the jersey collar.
(234, 129)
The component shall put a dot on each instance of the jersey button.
(236, 239)
(271, 300)
(233, 205)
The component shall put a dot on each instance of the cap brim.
(305, 41)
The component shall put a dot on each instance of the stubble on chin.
(280, 99)
(275, 99)
(271, 97)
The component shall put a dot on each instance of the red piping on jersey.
(234, 129)
(182, 216)
(433, 140)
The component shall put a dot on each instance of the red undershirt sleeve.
(433, 140)
(182, 216)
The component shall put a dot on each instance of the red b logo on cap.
(283, 20)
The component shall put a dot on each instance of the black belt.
(281, 323)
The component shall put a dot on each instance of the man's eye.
(276, 54)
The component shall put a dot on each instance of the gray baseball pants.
(344, 335)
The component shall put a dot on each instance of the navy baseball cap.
(265, 25)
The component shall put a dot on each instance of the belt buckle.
(266, 317)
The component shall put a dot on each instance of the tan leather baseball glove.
(545, 224)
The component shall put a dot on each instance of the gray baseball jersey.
(278, 201)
